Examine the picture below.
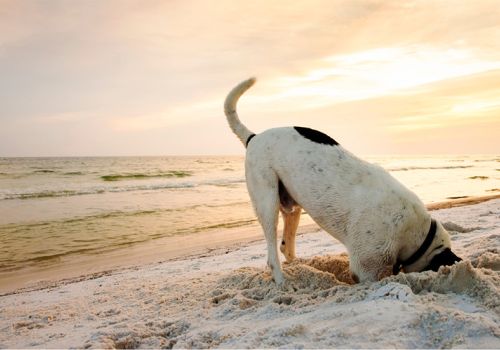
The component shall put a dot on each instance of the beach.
(224, 297)
(139, 172)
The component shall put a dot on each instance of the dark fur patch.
(248, 140)
(445, 258)
(286, 200)
(316, 136)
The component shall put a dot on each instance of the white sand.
(229, 301)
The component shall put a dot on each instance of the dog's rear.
(265, 189)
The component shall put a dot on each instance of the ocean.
(57, 208)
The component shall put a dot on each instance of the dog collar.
(420, 251)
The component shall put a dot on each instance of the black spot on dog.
(316, 136)
(445, 258)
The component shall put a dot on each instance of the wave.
(230, 224)
(109, 177)
(478, 177)
(488, 160)
(430, 167)
(86, 218)
(45, 194)
(68, 193)
(101, 190)
(123, 214)
(135, 176)
(52, 258)
(43, 171)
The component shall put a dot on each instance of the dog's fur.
(371, 213)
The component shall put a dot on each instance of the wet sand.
(459, 202)
(160, 250)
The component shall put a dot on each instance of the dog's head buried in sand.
(383, 225)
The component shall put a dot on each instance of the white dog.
(384, 226)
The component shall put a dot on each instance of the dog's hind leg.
(263, 189)
(291, 222)
(290, 210)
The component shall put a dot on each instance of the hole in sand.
(337, 265)
(329, 277)
(303, 276)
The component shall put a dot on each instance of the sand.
(228, 300)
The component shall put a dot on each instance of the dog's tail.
(232, 116)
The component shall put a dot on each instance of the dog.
(384, 226)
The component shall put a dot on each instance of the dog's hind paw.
(279, 280)
(278, 276)
(288, 286)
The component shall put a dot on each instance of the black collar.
(420, 251)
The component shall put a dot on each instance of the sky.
(112, 78)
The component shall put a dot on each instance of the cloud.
(134, 66)
(383, 71)
(167, 118)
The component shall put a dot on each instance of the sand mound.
(461, 278)
(152, 334)
(248, 287)
(329, 277)
(246, 309)
(303, 275)
(321, 287)
(488, 260)
(338, 265)
(456, 228)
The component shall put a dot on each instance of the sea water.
(54, 208)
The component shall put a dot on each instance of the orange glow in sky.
(150, 77)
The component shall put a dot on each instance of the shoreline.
(460, 202)
(163, 250)
(158, 251)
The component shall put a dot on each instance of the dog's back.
(328, 181)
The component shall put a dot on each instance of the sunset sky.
(84, 78)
